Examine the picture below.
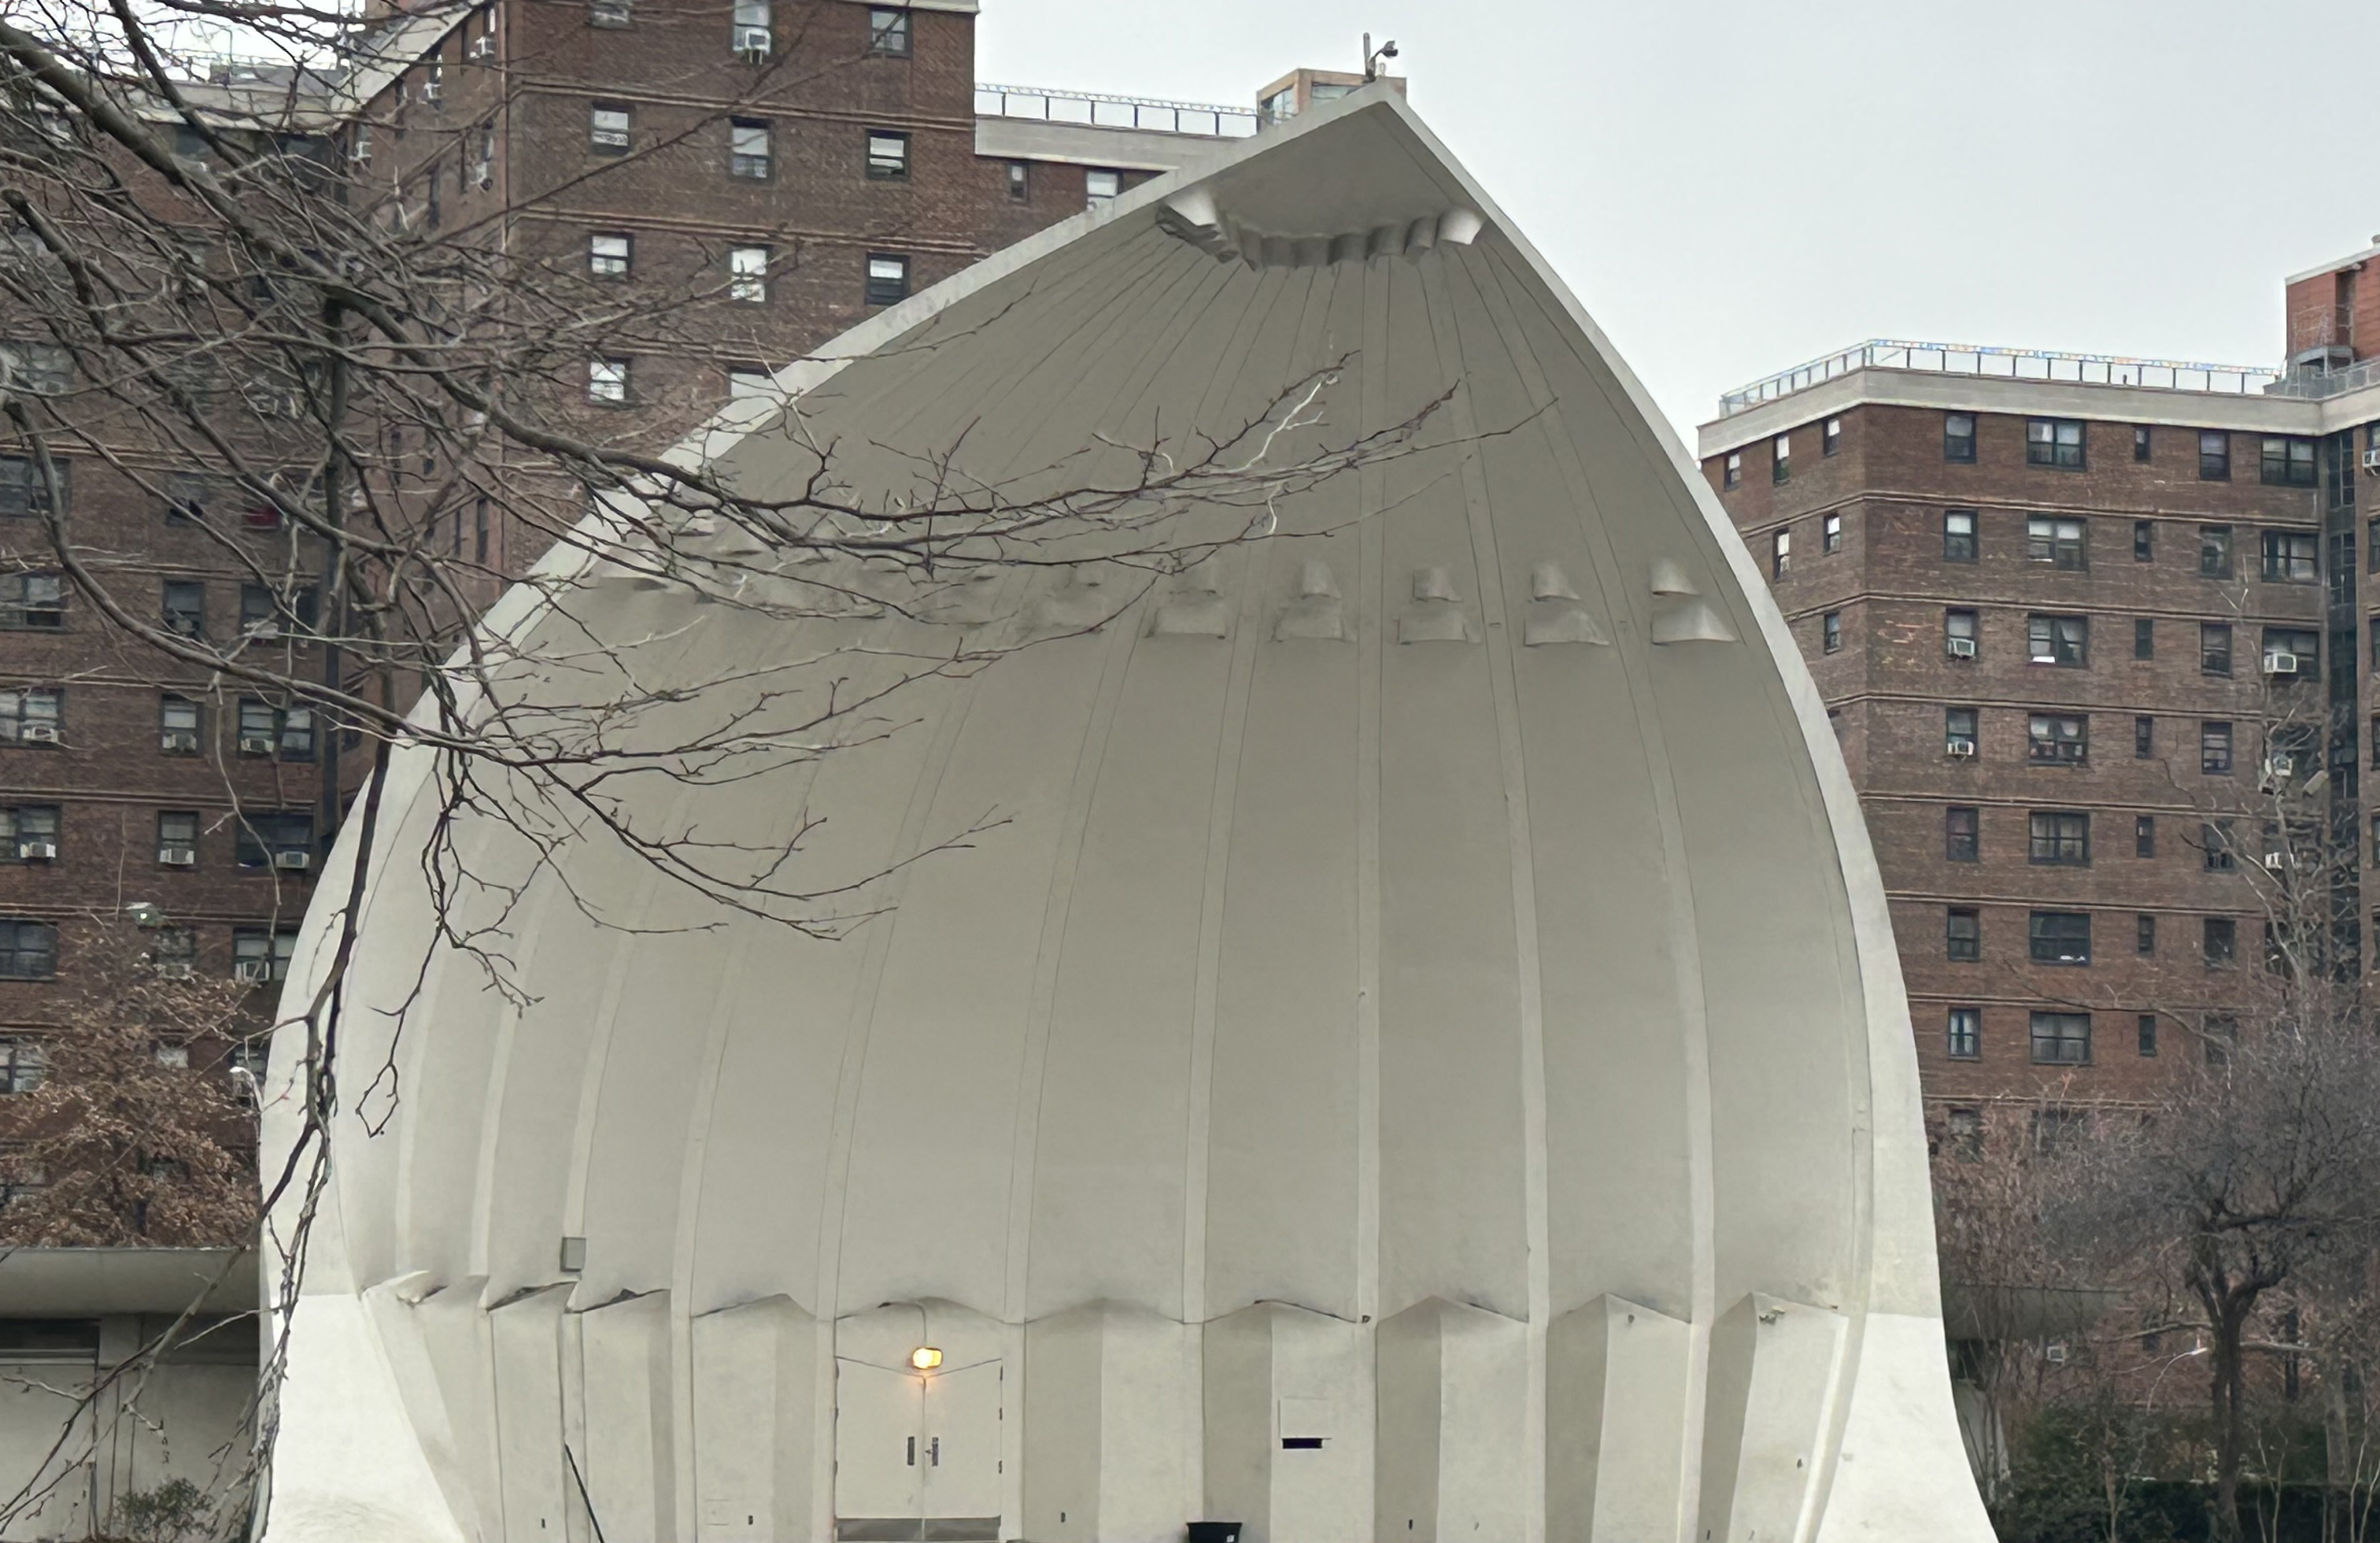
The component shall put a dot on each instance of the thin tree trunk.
(2229, 1393)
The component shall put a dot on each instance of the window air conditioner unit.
(179, 857)
(2372, 461)
(173, 970)
(1961, 748)
(296, 862)
(267, 628)
(2280, 766)
(431, 90)
(39, 734)
(752, 43)
(2053, 1353)
(255, 745)
(483, 174)
(2276, 861)
(1960, 648)
(253, 971)
(483, 48)
(37, 851)
(2280, 664)
(178, 741)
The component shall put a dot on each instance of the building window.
(1103, 187)
(2293, 653)
(178, 838)
(2289, 556)
(2055, 442)
(32, 716)
(2218, 941)
(184, 607)
(2144, 835)
(1964, 937)
(2144, 738)
(1962, 1131)
(2214, 648)
(23, 490)
(2064, 641)
(1020, 188)
(1830, 534)
(37, 368)
(28, 951)
(268, 729)
(749, 34)
(1966, 1033)
(2214, 455)
(33, 602)
(1781, 458)
(607, 256)
(607, 131)
(2148, 1033)
(2143, 638)
(2143, 933)
(1831, 631)
(2060, 839)
(2059, 937)
(1780, 553)
(747, 148)
(2218, 851)
(1830, 439)
(2143, 541)
(1958, 436)
(2061, 1039)
(887, 279)
(747, 275)
(22, 1063)
(1958, 731)
(177, 725)
(1958, 535)
(2053, 739)
(2215, 749)
(1959, 634)
(608, 13)
(275, 838)
(2139, 442)
(1731, 473)
(1961, 838)
(2058, 542)
(888, 31)
(888, 156)
(2285, 462)
(259, 956)
(607, 381)
(29, 833)
(2214, 552)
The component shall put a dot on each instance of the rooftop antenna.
(1372, 56)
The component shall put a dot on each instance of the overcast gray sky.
(1734, 185)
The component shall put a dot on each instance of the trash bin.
(1214, 1532)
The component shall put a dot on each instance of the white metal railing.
(1115, 111)
(2015, 364)
(2328, 382)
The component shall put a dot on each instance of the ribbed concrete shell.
(1423, 1057)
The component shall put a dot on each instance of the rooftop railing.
(2328, 382)
(1091, 108)
(2013, 364)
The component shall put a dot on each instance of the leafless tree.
(222, 308)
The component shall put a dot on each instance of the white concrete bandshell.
(1423, 1056)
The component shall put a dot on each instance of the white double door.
(918, 1448)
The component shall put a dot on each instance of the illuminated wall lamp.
(924, 1357)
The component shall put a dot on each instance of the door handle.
(912, 1452)
(934, 1452)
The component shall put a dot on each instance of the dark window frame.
(2057, 449)
(1963, 943)
(2067, 1041)
(2060, 937)
(1962, 1032)
(2214, 455)
(2057, 838)
(1960, 546)
(1962, 839)
(1959, 438)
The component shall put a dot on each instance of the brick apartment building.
(778, 172)
(2098, 648)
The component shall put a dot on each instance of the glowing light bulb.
(924, 1357)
